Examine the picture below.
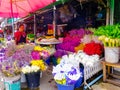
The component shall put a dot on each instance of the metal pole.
(54, 20)
(12, 17)
(108, 13)
(34, 24)
(111, 12)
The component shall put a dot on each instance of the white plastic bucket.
(112, 54)
(23, 79)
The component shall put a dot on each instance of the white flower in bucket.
(59, 76)
(66, 74)
(88, 60)
(30, 69)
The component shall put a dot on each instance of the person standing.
(20, 35)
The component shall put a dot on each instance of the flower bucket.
(80, 80)
(23, 79)
(112, 54)
(65, 87)
(33, 80)
(12, 83)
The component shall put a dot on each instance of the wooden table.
(107, 67)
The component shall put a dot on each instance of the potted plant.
(110, 37)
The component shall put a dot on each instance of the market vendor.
(20, 35)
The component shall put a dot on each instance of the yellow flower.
(38, 48)
(39, 63)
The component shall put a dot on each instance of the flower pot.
(33, 79)
(112, 54)
(65, 87)
(12, 83)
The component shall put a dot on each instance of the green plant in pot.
(110, 37)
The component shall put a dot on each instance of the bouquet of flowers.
(109, 35)
(93, 48)
(66, 74)
(10, 69)
(23, 54)
(42, 52)
(35, 66)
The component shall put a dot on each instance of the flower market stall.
(75, 57)
(27, 59)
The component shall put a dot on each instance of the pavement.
(47, 83)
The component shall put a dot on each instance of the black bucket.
(33, 79)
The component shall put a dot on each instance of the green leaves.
(111, 31)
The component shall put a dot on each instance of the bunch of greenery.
(109, 35)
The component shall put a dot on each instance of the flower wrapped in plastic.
(66, 74)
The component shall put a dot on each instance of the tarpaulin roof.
(21, 8)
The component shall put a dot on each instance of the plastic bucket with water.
(112, 54)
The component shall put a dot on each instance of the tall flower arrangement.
(109, 35)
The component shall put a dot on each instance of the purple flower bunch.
(79, 32)
(69, 43)
(22, 57)
(73, 39)
(60, 53)
(2, 54)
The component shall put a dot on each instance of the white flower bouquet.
(66, 74)
(30, 69)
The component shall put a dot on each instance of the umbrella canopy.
(21, 8)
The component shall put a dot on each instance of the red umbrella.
(21, 8)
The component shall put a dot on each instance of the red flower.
(93, 48)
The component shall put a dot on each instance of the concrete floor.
(47, 83)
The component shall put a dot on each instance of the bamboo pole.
(34, 24)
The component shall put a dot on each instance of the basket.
(65, 87)
(112, 54)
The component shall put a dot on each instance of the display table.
(51, 41)
(107, 67)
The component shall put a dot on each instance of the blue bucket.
(65, 87)
(80, 80)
